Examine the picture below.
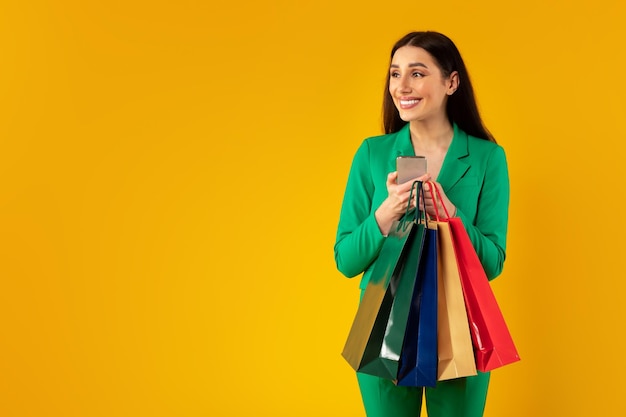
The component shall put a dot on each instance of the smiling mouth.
(406, 104)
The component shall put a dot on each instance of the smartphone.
(410, 167)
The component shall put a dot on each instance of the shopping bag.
(454, 342)
(493, 344)
(455, 350)
(366, 348)
(418, 362)
(382, 359)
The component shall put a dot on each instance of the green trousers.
(462, 397)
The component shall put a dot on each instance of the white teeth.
(408, 102)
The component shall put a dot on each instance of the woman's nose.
(404, 84)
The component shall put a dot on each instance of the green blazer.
(474, 176)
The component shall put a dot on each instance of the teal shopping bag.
(375, 340)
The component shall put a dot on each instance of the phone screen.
(410, 167)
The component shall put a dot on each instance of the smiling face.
(417, 86)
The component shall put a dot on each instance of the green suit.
(474, 176)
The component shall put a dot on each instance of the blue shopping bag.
(418, 360)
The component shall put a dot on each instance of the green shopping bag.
(375, 340)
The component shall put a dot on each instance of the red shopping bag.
(454, 341)
(493, 344)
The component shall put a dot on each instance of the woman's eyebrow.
(412, 64)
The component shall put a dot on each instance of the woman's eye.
(395, 75)
(417, 74)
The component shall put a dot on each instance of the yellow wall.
(170, 179)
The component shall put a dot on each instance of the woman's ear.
(453, 82)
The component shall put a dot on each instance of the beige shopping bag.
(455, 351)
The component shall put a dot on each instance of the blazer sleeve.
(489, 230)
(359, 238)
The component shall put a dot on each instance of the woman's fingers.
(401, 197)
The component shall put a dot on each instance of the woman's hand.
(396, 203)
(435, 203)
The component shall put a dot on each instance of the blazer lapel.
(454, 165)
(403, 146)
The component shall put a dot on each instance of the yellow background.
(171, 174)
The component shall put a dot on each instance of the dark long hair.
(461, 107)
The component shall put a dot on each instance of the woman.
(429, 109)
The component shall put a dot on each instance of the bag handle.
(418, 215)
(422, 213)
(432, 193)
(430, 188)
